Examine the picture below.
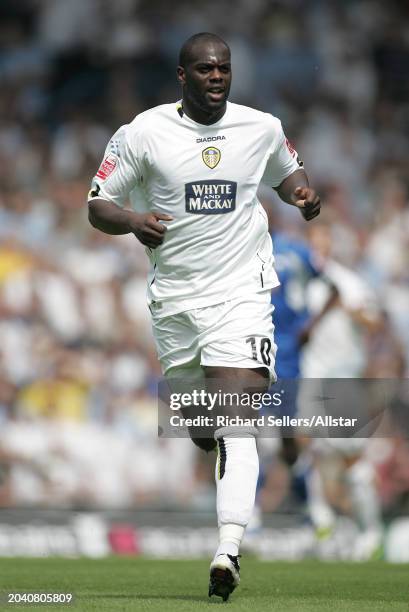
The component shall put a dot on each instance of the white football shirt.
(337, 346)
(206, 176)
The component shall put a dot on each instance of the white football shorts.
(238, 333)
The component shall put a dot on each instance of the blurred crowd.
(78, 370)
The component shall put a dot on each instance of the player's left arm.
(331, 302)
(285, 173)
(295, 190)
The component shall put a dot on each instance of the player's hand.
(147, 228)
(307, 200)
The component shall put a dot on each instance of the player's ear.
(180, 72)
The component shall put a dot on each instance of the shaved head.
(187, 52)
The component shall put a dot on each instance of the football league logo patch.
(107, 167)
(211, 157)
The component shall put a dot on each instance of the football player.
(198, 164)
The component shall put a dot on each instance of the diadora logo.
(210, 139)
(210, 197)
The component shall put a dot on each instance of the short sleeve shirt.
(206, 177)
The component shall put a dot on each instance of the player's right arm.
(109, 218)
(118, 174)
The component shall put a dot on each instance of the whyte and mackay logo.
(210, 197)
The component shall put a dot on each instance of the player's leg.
(238, 358)
(358, 474)
(188, 379)
(237, 464)
(176, 341)
(360, 478)
(236, 472)
(311, 450)
(320, 512)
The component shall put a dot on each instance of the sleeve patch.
(107, 167)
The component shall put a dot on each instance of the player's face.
(206, 79)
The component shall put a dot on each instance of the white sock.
(321, 513)
(236, 480)
(365, 500)
(230, 537)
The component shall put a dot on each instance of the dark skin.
(109, 218)
(230, 380)
(205, 81)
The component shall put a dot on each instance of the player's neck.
(200, 115)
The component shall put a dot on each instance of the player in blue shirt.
(295, 266)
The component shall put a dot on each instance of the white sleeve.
(119, 172)
(283, 159)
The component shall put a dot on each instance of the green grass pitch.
(142, 584)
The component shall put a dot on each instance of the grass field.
(142, 584)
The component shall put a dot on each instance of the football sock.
(230, 536)
(237, 469)
(364, 497)
(320, 512)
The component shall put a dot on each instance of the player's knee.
(206, 444)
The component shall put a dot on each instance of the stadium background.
(81, 468)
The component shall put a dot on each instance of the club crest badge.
(211, 157)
